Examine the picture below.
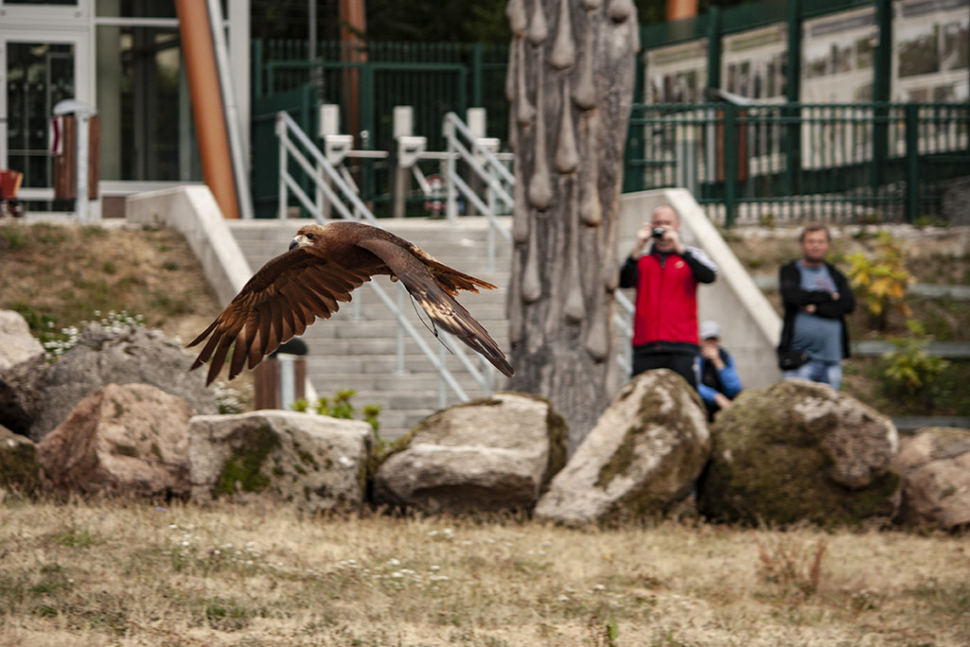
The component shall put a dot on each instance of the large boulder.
(130, 439)
(19, 467)
(315, 463)
(135, 355)
(798, 450)
(495, 453)
(23, 366)
(935, 465)
(643, 456)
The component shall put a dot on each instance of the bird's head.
(307, 236)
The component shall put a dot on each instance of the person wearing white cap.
(719, 382)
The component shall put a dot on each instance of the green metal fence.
(848, 162)
(433, 78)
(301, 102)
(866, 161)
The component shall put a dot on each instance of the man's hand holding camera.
(665, 239)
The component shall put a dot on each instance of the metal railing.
(864, 162)
(332, 187)
(492, 172)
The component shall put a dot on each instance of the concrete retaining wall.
(193, 211)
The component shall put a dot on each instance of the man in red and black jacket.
(665, 313)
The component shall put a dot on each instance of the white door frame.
(84, 81)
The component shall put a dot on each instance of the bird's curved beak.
(298, 241)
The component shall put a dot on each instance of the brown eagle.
(323, 265)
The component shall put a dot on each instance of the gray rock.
(315, 463)
(19, 467)
(798, 450)
(495, 453)
(643, 456)
(23, 367)
(130, 439)
(134, 356)
(935, 465)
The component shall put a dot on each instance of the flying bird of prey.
(323, 265)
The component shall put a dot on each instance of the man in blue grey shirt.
(817, 297)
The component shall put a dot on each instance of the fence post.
(451, 203)
(477, 58)
(911, 208)
(256, 66)
(368, 126)
(634, 151)
(714, 47)
(730, 163)
(281, 137)
(790, 112)
(881, 69)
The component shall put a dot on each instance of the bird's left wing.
(433, 296)
(278, 302)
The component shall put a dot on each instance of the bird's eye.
(309, 236)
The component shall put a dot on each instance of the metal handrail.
(286, 126)
(492, 172)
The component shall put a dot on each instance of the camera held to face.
(658, 233)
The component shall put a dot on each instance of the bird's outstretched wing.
(433, 285)
(278, 302)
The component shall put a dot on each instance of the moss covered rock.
(642, 457)
(495, 453)
(312, 462)
(935, 465)
(19, 468)
(798, 450)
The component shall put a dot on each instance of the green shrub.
(340, 406)
(882, 281)
(909, 373)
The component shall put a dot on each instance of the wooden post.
(210, 122)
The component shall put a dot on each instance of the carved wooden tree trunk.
(570, 84)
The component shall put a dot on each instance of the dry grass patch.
(61, 275)
(130, 573)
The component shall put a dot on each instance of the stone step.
(385, 345)
(327, 382)
(415, 362)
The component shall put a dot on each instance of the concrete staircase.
(357, 347)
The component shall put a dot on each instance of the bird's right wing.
(278, 302)
(435, 296)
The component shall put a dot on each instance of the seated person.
(719, 381)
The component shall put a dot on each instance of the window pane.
(38, 76)
(143, 99)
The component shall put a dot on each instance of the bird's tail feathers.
(452, 281)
